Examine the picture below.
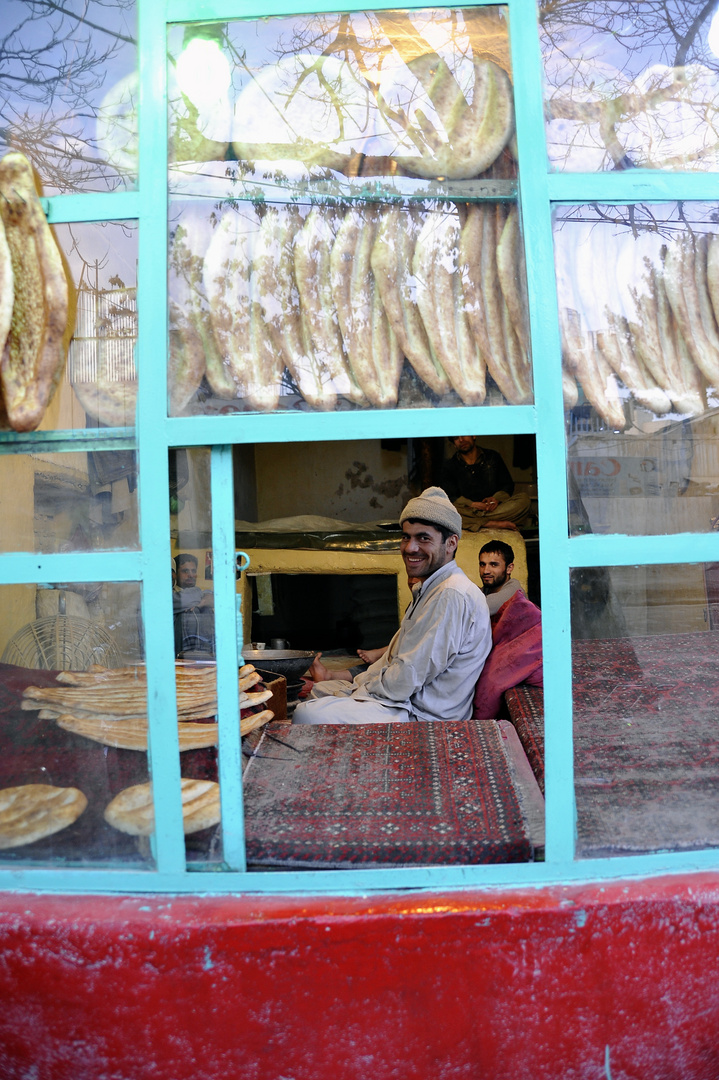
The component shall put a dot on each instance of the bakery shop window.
(638, 290)
(630, 85)
(319, 524)
(70, 502)
(645, 696)
(74, 721)
(344, 231)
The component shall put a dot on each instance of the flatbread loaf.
(33, 811)
(255, 720)
(131, 734)
(133, 811)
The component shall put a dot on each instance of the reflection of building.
(104, 338)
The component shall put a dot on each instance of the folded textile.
(516, 655)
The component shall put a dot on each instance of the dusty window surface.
(83, 501)
(326, 248)
(631, 84)
(68, 91)
(638, 290)
(644, 646)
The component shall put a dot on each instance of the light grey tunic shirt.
(434, 660)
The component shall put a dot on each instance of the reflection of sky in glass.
(630, 85)
(311, 80)
(68, 89)
(101, 255)
(606, 252)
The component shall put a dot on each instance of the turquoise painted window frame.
(156, 433)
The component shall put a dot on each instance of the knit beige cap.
(433, 505)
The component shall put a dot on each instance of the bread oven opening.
(327, 612)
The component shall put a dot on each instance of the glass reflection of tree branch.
(630, 84)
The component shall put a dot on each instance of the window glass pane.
(323, 251)
(638, 290)
(630, 85)
(645, 642)
(193, 604)
(311, 103)
(326, 573)
(92, 381)
(68, 502)
(284, 308)
(68, 89)
(80, 736)
(100, 387)
(191, 529)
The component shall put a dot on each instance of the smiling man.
(432, 664)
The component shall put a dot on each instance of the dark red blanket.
(646, 741)
(516, 655)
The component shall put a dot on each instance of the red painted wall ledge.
(613, 981)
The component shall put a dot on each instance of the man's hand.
(207, 601)
(485, 506)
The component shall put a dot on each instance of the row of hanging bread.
(637, 312)
(339, 299)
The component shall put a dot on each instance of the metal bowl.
(292, 663)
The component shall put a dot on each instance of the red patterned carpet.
(646, 742)
(383, 794)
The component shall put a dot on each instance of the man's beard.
(497, 583)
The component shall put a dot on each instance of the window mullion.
(228, 630)
(551, 451)
(163, 746)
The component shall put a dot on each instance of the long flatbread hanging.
(274, 275)
(193, 349)
(374, 354)
(250, 366)
(391, 259)
(36, 341)
(440, 297)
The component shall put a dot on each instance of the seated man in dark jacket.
(478, 483)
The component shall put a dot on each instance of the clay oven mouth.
(324, 611)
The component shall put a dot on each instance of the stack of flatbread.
(109, 706)
(133, 810)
